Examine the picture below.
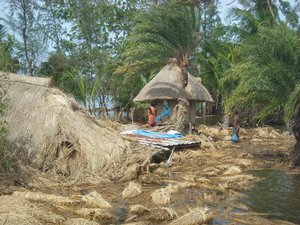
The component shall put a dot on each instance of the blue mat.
(155, 134)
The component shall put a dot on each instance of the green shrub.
(5, 148)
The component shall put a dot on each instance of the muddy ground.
(202, 185)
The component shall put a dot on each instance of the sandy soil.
(201, 186)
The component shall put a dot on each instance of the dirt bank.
(201, 186)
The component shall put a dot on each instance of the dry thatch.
(94, 199)
(138, 209)
(80, 221)
(163, 214)
(195, 216)
(161, 196)
(167, 85)
(132, 190)
(96, 214)
(52, 132)
(16, 210)
(42, 197)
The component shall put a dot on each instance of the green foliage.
(215, 60)
(96, 30)
(30, 40)
(170, 30)
(66, 75)
(113, 48)
(271, 11)
(5, 147)
(267, 72)
(163, 32)
(7, 63)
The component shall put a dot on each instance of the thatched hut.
(166, 85)
(52, 132)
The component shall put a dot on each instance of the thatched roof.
(52, 132)
(167, 85)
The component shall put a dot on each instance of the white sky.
(224, 7)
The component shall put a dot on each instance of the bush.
(5, 148)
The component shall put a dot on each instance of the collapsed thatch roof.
(53, 132)
(167, 85)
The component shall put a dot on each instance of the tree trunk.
(295, 152)
(181, 111)
(24, 5)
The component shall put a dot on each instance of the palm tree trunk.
(182, 110)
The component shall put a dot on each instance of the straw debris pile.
(52, 132)
(17, 210)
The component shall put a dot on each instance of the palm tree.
(267, 72)
(166, 31)
(267, 75)
(214, 60)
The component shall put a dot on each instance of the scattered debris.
(94, 199)
(195, 216)
(161, 196)
(132, 190)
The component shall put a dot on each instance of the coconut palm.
(215, 60)
(167, 31)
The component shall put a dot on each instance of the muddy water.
(278, 195)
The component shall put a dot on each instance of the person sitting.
(151, 111)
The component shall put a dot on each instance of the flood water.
(278, 195)
(210, 120)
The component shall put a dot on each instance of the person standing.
(236, 126)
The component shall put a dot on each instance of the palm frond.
(292, 103)
(266, 72)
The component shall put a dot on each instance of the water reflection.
(278, 195)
